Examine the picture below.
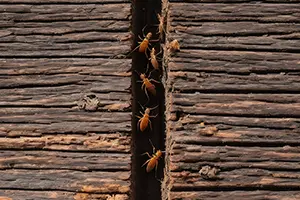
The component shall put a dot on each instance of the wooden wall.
(65, 116)
(233, 124)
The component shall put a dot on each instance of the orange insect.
(153, 160)
(144, 44)
(144, 120)
(153, 59)
(147, 85)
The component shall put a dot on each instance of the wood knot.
(89, 103)
(209, 173)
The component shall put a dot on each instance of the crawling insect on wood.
(147, 85)
(161, 29)
(174, 46)
(145, 119)
(144, 44)
(153, 59)
(153, 160)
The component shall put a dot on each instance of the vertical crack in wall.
(145, 185)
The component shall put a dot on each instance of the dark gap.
(145, 185)
(30, 85)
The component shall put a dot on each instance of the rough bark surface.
(233, 107)
(65, 100)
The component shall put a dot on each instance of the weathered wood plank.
(96, 83)
(63, 1)
(66, 180)
(187, 157)
(223, 122)
(113, 101)
(237, 195)
(99, 49)
(242, 105)
(57, 12)
(236, 111)
(46, 160)
(244, 62)
(233, 1)
(47, 195)
(63, 27)
(271, 83)
(261, 12)
(239, 179)
(110, 142)
(289, 43)
(234, 28)
(42, 66)
(63, 120)
(66, 38)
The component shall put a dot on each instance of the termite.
(147, 85)
(153, 59)
(153, 160)
(174, 46)
(144, 44)
(145, 119)
(161, 29)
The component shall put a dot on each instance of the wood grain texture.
(237, 195)
(56, 58)
(46, 195)
(232, 107)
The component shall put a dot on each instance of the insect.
(153, 59)
(161, 28)
(147, 85)
(144, 44)
(153, 160)
(144, 120)
(174, 46)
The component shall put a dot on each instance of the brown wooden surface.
(233, 103)
(56, 56)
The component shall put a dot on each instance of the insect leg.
(150, 124)
(146, 153)
(147, 94)
(154, 81)
(152, 146)
(147, 66)
(156, 165)
(146, 162)
(153, 115)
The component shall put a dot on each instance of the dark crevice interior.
(145, 185)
